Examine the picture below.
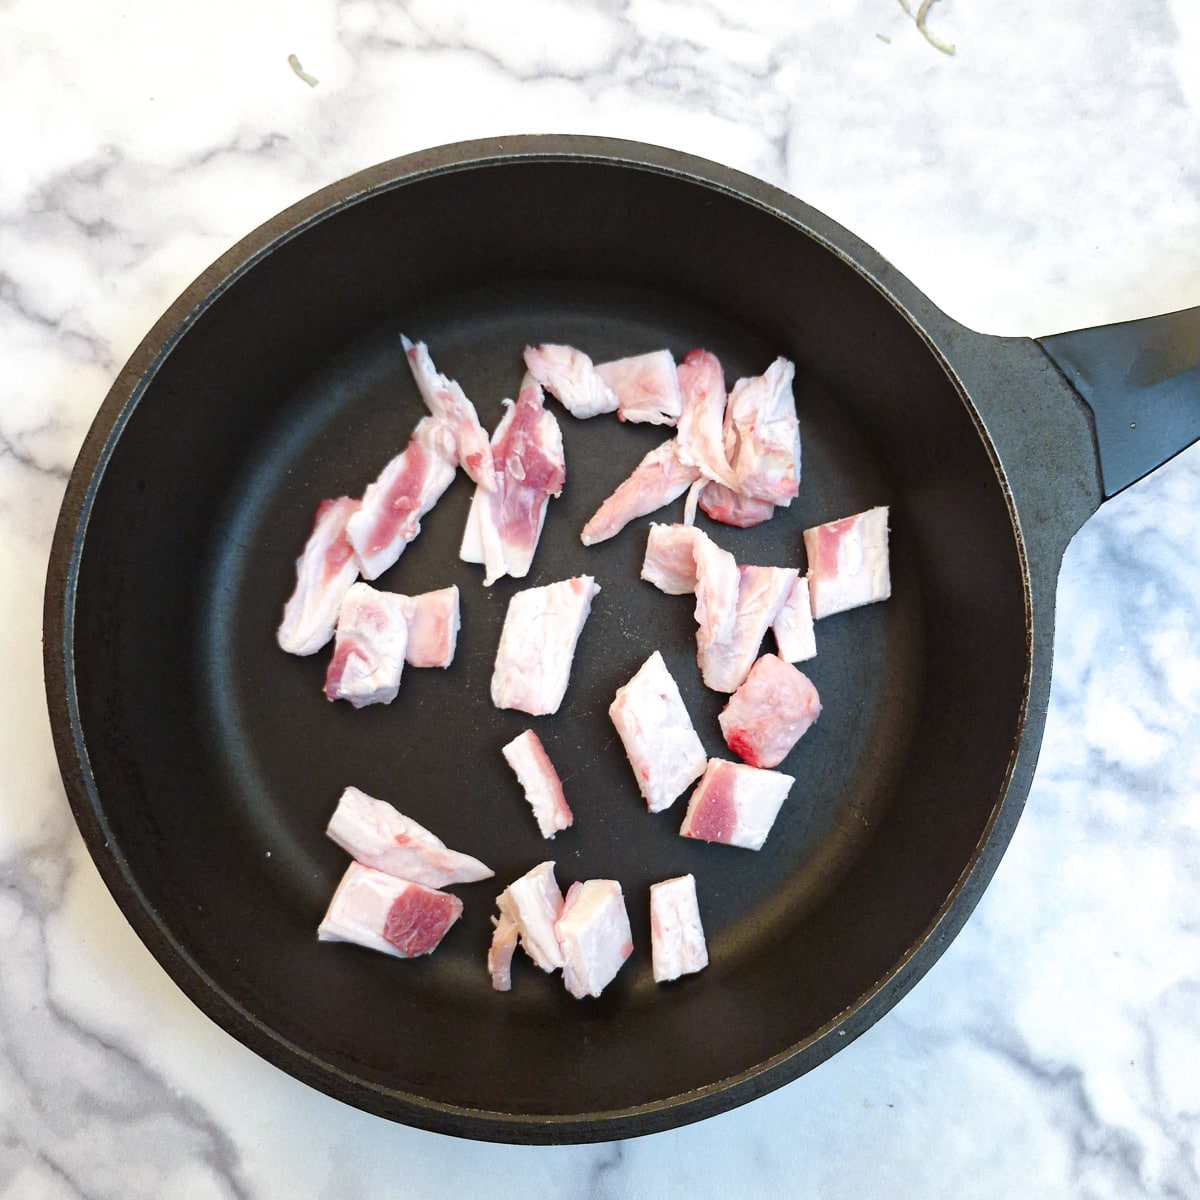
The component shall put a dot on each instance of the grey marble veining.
(1046, 176)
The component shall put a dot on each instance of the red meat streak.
(401, 504)
(715, 816)
(418, 920)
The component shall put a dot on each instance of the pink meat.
(594, 935)
(447, 401)
(677, 945)
(537, 645)
(793, 624)
(670, 560)
(731, 508)
(569, 376)
(433, 624)
(848, 562)
(761, 424)
(324, 573)
(368, 652)
(657, 480)
(718, 588)
(646, 387)
(500, 952)
(540, 782)
(770, 712)
(735, 804)
(381, 912)
(375, 834)
(725, 660)
(533, 903)
(657, 733)
(701, 419)
(407, 488)
(504, 525)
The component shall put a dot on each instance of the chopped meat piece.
(533, 903)
(375, 834)
(670, 561)
(677, 944)
(701, 420)
(542, 786)
(848, 562)
(646, 387)
(735, 804)
(447, 401)
(770, 712)
(569, 376)
(793, 625)
(657, 480)
(718, 583)
(368, 652)
(537, 645)
(433, 624)
(732, 508)
(658, 735)
(504, 525)
(499, 959)
(761, 415)
(407, 488)
(381, 912)
(324, 573)
(725, 660)
(593, 931)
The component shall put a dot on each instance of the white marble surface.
(1045, 177)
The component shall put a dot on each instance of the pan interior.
(217, 761)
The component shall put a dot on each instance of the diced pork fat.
(534, 903)
(670, 560)
(701, 420)
(677, 945)
(725, 660)
(735, 804)
(761, 417)
(448, 402)
(848, 562)
(500, 952)
(593, 932)
(368, 652)
(718, 583)
(381, 912)
(540, 782)
(537, 645)
(659, 738)
(433, 624)
(407, 488)
(324, 573)
(732, 508)
(569, 376)
(793, 624)
(646, 387)
(373, 833)
(770, 712)
(657, 480)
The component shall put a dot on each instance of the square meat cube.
(593, 931)
(848, 562)
(770, 712)
(735, 804)
(369, 647)
(677, 944)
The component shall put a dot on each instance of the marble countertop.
(1044, 177)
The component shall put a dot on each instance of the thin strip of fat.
(677, 945)
(795, 638)
(540, 782)
(533, 903)
(701, 419)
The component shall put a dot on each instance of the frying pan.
(202, 763)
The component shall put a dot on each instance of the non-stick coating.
(215, 760)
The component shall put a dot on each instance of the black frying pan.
(202, 763)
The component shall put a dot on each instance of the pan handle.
(1141, 379)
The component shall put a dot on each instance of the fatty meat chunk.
(324, 573)
(770, 712)
(670, 560)
(537, 645)
(407, 488)
(658, 479)
(793, 624)
(702, 417)
(540, 782)
(569, 376)
(500, 952)
(534, 903)
(375, 834)
(735, 804)
(504, 525)
(433, 625)
(593, 932)
(368, 652)
(677, 945)
(659, 738)
(732, 508)
(394, 916)
(646, 387)
(762, 425)
(725, 661)
(848, 562)
(448, 402)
